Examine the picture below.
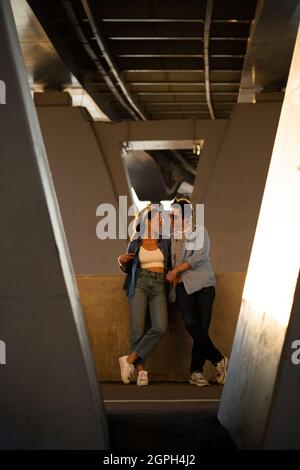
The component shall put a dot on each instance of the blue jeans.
(150, 290)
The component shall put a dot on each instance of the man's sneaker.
(127, 370)
(221, 369)
(197, 378)
(142, 378)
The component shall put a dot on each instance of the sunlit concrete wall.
(106, 311)
(260, 405)
(282, 429)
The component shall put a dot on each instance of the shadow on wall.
(106, 311)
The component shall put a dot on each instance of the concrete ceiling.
(45, 67)
(153, 59)
(271, 46)
(148, 59)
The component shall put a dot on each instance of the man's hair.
(185, 205)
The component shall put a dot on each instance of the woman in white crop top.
(145, 263)
(153, 260)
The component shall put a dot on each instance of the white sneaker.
(127, 370)
(132, 371)
(221, 369)
(197, 378)
(142, 378)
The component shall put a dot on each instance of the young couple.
(152, 265)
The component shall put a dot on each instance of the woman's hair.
(141, 220)
(185, 205)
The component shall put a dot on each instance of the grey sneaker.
(142, 378)
(197, 378)
(221, 369)
(127, 370)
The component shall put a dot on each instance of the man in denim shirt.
(193, 289)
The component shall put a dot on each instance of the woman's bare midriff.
(159, 269)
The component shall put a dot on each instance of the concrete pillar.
(49, 393)
(260, 404)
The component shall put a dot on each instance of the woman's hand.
(125, 258)
(171, 276)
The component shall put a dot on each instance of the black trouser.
(196, 311)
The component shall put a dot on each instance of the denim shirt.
(200, 273)
(132, 267)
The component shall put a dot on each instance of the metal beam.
(233, 21)
(181, 70)
(146, 145)
(172, 83)
(228, 39)
(170, 20)
(142, 56)
(172, 38)
(156, 38)
(186, 165)
(185, 103)
(179, 111)
(202, 93)
(227, 56)
(152, 20)
(109, 61)
(208, 15)
(164, 70)
(73, 20)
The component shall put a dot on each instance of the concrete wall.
(87, 169)
(112, 136)
(283, 426)
(85, 158)
(82, 181)
(49, 393)
(106, 311)
(231, 172)
(260, 405)
(233, 186)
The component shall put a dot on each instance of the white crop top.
(151, 258)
